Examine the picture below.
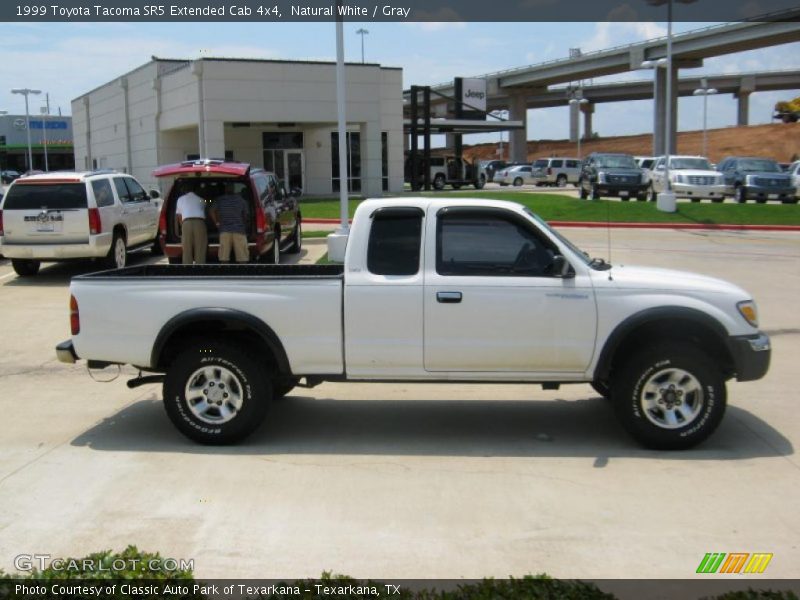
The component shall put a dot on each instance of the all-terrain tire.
(24, 267)
(216, 393)
(671, 396)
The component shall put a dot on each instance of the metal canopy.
(465, 126)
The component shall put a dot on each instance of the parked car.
(758, 178)
(274, 214)
(516, 176)
(646, 164)
(556, 171)
(430, 290)
(690, 177)
(9, 175)
(605, 174)
(63, 215)
(491, 167)
(794, 171)
(449, 170)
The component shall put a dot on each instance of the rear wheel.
(561, 181)
(718, 200)
(274, 255)
(439, 182)
(761, 200)
(25, 268)
(216, 393)
(118, 253)
(480, 183)
(518, 182)
(669, 397)
(789, 200)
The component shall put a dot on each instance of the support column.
(660, 134)
(123, 84)
(214, 146)
(574, 120)
(371, 173)
(518, 138)
(588, 111)
(743, 108)
(450, 142)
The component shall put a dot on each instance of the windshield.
(577, 251)
(689, 163)
(615, 162)
(759, 164)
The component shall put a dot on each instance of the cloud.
(608, 34)
(436, 26)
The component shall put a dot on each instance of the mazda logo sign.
(19, 124)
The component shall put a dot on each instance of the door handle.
(448, 297)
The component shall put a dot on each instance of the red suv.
(275, 215)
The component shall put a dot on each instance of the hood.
(781, 177)
(696, 172)
(652, 278)
(620, 170)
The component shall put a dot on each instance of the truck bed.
(218, 270)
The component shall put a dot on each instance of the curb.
(618, 225)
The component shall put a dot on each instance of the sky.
(69, 59)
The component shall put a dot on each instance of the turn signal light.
(748, 311)
(74, 316)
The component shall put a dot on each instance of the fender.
(224, 315)
(661, 313)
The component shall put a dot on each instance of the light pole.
(45, 110)
(502, 115)
(578, 102)
(705, 92)
(2, 113)
(362, 32)
(26, 92)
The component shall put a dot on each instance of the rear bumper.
(65, 352)
(751, 355)
(98, 246)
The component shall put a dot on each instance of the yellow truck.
(788, 112)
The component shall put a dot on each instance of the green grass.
(315, 234)
(555, 207)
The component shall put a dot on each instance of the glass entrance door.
(294, 169)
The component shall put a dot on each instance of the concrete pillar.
(371, 173)
(660, 113)
(214, 146)
(574, 120)
(588, 111)
(743, 108)
(450, 142)
(518, 138)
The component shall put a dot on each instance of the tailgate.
(46, 213)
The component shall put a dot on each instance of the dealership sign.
(473, 93)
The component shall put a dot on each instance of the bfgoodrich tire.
(669, 397)
(215, 393)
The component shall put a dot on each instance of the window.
(229, 156)
(557, 164)
(262, 187)
(55, 196)
(136, 191)
(394, 241)
(572, 164)
(282, 140)
(489, 242)
(385, 160)
(102, 193)
(122, 190)
(192, 157)
(353, 147)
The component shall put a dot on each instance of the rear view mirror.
(561, 268)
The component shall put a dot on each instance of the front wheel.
(740, 195)
(561, 181)
(215, 393)
(669, 397)
(117, 254)
(595, 193)
(24, 267)
(439, 182)
(479, 185)
(297, 239)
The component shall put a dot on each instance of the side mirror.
(561, 268)
(154, 194)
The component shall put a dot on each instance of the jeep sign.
(473, 94)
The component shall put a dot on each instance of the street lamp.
(45, 112)
(502, 115)
(705, 92)
(362, 32)
(26, 92)
(2, 112)
(578, 102)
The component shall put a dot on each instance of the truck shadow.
(299, 425)
(59, 274)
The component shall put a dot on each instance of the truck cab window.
(472, 244)
(394, 243)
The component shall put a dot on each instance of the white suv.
(690, 177)
(66, 215)
(556, 171)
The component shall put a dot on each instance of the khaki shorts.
(233, 241)
(194, 241)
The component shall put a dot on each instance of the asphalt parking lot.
(406, 480)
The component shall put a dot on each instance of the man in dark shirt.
(231, 213)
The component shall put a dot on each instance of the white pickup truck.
(431, 290)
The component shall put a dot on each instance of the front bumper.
(65, 352)
(98, 246)
(621, 189)
(687, 190)
(751, 355)
(769, 193)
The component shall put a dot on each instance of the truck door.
(383, 296)
(492, 303)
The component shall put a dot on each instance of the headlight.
(679, 179)
(719, 180)
(748, 180)
(601, 177)
(748, 310)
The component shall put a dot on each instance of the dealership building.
(49, 135)
(280, 115)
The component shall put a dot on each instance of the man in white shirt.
(191, 215)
